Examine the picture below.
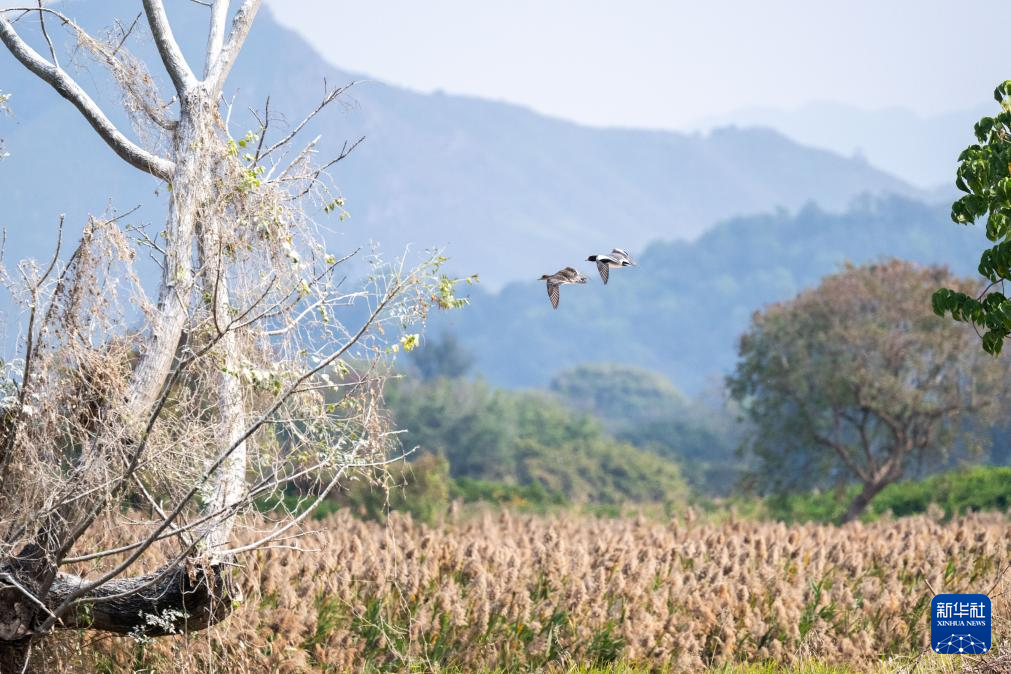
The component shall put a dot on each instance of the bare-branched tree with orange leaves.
(164, 417)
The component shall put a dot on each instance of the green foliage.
(606, 645)
(420, 488)
(680, 312)
(806, 667)
(645, 409)
(533, 497)
(618, 393)
(526, 439)
(444, 294)
(958, 492)
(329, 617)
(425, 491)
(703, 441)
(444, 357)
(410, 341)
(984, 174)
(814, 506)
(296, 504)
(852, 382)
(333, 205)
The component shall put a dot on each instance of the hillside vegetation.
(522, 439)
(644, 409)
(682, 310)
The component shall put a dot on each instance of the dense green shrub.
(956, 493)
(534, 497)
(525, 439)
(421, 488)
(644, 409)
(619, 394)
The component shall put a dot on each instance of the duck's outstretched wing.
(603, 269)
(622, 254)
(553, 292)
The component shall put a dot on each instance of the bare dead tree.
(159, 423)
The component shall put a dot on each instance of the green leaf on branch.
(1002, 90)
(993, 341)
(997, 225)
(983, 128)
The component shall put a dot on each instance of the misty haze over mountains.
(680, 312)
(486, 180)
(512, 194)
(921, 149)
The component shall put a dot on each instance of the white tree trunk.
(188, 183)
(230, 478)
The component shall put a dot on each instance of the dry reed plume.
(524, 592)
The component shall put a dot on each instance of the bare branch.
(8, 578)
(216, 35)
(171, 55)
(329, 96)
(45, 34)
(274, 535)
(126, 33)
(124, 74)
(65, 85)
(241, 24)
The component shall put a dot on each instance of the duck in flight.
(616, 258)
(560, 278)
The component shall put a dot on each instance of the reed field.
(504, 592)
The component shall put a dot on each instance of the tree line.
(851, 386)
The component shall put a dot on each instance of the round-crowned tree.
(853, 381)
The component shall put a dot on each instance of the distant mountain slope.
(681, 311)
(512, 194)
(920, 149)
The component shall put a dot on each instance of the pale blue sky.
(669, 64)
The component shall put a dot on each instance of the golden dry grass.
(503, 592)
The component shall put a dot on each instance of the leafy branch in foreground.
(984, 174)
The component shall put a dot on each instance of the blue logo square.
(960, 624)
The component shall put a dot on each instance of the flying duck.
(616, 258)
(560, 278)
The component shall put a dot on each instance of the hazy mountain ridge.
(511, 194)
(681, 311)
(922, 149)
